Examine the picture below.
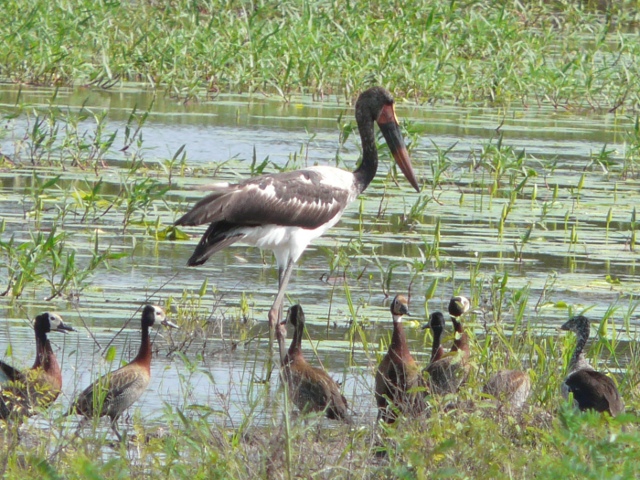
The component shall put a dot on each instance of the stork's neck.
(578, 360)
(144, 354)
(369, 166)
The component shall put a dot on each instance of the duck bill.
(168, 324)
(565, 326)
(390, 129)
(65, 328)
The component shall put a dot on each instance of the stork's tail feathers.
(218, 236)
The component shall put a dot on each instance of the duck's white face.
(56, 324)
(158, 314)
(161, 317)
(465, 303)
(55, 320)
(399, 307)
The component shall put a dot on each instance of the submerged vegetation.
(532, 227)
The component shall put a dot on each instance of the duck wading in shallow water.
(446, 372)
(116, 391)
(311, 389)
(400, 387)
(591, 390)
(23, 393)
(284, 212)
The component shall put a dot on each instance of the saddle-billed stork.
(284, 212)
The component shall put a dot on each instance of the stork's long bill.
(390, 129)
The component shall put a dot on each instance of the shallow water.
(220, 136)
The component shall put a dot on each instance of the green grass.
(547, 440)
(93, 201)
(575, 55)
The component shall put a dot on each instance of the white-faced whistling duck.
(510, 387)
(591, 390)
(448, 371)
(23, 392)
(284, 212)
(310, 388)
(113, 393)
(400, 386)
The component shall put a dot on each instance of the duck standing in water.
(114, 392)
(22, 393)
(310, 388)
(446, 372)
(400, 386)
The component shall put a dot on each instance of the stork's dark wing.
(303, 198)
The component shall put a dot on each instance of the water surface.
(595, 269)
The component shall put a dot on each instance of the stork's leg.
(275, 313)
(281, 271)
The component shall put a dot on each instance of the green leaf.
(110, 355)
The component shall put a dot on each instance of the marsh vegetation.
(523, 128)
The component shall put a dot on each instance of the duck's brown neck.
(45, 359)
(399, 341)
(461, 341)
(295, 349)
(144, 354)
(436, 349)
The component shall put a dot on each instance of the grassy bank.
(566, 54)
